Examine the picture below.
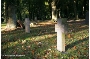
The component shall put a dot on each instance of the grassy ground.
(40, 43)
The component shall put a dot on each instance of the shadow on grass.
(69, 46)
(36, 47)
(77, 26)
(20, 33)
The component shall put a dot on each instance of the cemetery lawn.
(40, 43)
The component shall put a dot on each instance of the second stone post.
(27, 25)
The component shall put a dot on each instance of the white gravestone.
(27, 25)
(60, 29)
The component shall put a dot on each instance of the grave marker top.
(61, 25)
(59, 21)
(27, 21)
(62, 21)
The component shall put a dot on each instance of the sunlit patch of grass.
(40, 43)
(3, 24)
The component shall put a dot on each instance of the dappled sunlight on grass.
(41, 43)
(3, 24)
(41, 37)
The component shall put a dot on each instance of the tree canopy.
(42, 9)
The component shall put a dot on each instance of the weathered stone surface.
(27, 25)
(60, 29)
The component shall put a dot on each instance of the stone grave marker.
(60, 29)
(27, 25)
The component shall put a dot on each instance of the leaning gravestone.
(27, 25)
(60, 29)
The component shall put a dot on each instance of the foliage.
(41, 42)
(42, 9)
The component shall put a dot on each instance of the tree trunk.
(6, 12)
(84, 7)
(19, 10)
(54, 12)
(29, 11)
(19, 16)
(11, 24)
(75, 9)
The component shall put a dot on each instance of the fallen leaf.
(74, 47)
(33, 52)
(69, 35)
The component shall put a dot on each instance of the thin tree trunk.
(19, 15)
(54, 13)
(11, 24)
(6, 12)
(29, 10)
(75, 9)
(84, 7)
